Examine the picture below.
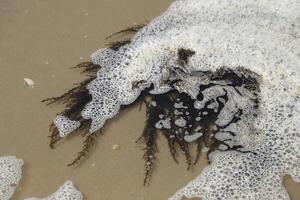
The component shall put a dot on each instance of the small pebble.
(116, 147)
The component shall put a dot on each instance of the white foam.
(65, 126)
(163, 123)
(193, 137)
(65, 192)
(181, 122)
(10, 175)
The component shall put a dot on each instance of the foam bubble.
(163, 123)
(180, 122)
(193, 137)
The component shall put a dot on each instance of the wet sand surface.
(41, 40)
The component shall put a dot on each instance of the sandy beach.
(42, 40)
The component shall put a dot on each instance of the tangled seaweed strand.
(149, 138)
(89, 141)
(115, 45)
(132, 29)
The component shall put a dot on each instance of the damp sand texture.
(41, 40)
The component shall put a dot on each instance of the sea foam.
(66, 192)
(10, 175)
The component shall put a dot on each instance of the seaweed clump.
(175, 116)
(173, 113)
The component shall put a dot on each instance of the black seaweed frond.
(88, 67)
(164, 106)
(184, 147)
(73, 95)
(172, 146)
(199, 150)
(150, 151)
(88, 143)
(149, 137)
(118, 44)
(184, 55)
(76, 98)
(54, 136)
(129, 30)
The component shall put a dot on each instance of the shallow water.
(41, 40)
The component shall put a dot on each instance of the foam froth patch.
(10, 175)
(65, 192)
(65, 126)
(238, 63)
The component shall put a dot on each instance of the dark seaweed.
(132, 29)
(88, 143)
(118, 44)
(88, 68)
(164, 105)
(76, 99)
(184, 55)
(149, 138)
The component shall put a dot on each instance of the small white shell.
(29, 82)
(116, 147)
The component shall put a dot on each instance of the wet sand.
(41, 40)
